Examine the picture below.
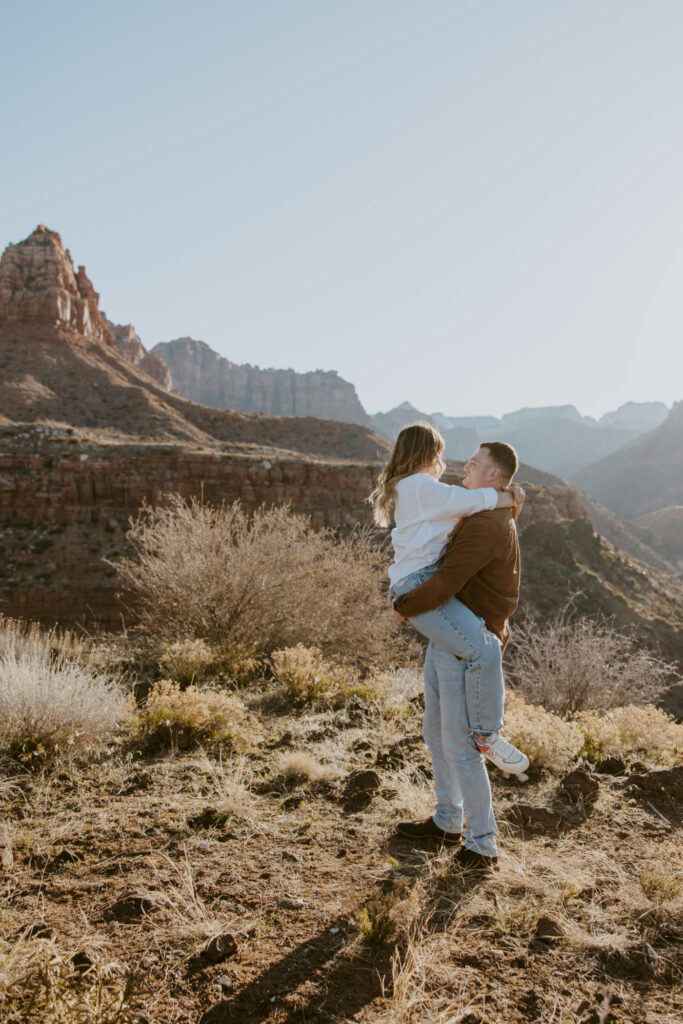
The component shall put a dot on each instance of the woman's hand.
(518, 495)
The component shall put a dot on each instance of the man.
(482, 570)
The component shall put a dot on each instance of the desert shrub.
(187, 660)
(50, 705)
(309, 677)
(569, 666)
(545, 738)
(259, 583)
(184, 718)
(647, 731)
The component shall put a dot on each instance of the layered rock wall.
(204, 376)
(65, 506)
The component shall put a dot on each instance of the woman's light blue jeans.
(457, 630)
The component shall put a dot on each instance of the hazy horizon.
(475, 208)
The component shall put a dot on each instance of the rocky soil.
(269, 887)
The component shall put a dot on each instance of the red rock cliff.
(38, 286)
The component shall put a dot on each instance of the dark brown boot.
(427, 829)
(470, 860)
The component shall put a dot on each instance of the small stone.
(291, 902)
(530, 818)
(580, 786)
(221, 948)
(225, 985)
(130, 907)
(611, 766)
(548, 929)
(361, 787)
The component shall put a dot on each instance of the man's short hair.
(503, 456)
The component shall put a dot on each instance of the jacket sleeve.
(473, 547)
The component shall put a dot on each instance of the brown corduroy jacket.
(481, 568)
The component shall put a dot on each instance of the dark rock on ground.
(220, 948)
(130, 907)
(668, 781)
(611, 766)
(533, 819)
(548, 929)
(580, 786)
(361, 786)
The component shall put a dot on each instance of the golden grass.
(184, 718)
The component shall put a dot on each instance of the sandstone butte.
(87, 435)
(204, 376)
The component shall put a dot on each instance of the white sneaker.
(502, 753)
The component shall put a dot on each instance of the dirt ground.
(125, 870)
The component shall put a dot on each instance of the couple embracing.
(455, 578)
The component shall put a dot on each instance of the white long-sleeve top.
(425, 512)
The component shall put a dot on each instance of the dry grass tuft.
(176, 903)
(258, 583)
(46, 980)
(299, 766)
(229, 784)
(546, 739)
(184, 718)
(647, 731)
(308, 678)
(52, 706)
(582, 665)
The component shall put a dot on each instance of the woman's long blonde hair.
(414, 448)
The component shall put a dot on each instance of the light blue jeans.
(461, 633)
(460, 775)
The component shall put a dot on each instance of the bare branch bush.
(569, 666)
(257, 583)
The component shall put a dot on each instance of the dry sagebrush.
(545, 738)
(646, 731)
(184, 718)
(51, 705)
(260, 583)
(582, 665)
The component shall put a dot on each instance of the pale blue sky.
(471, 205)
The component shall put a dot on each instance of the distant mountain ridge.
(644, 476)
(557, 439)
(202, 375)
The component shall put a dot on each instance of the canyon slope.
(204, 376)
(643, 477)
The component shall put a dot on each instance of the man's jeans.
(461, 633)
(460, 774)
